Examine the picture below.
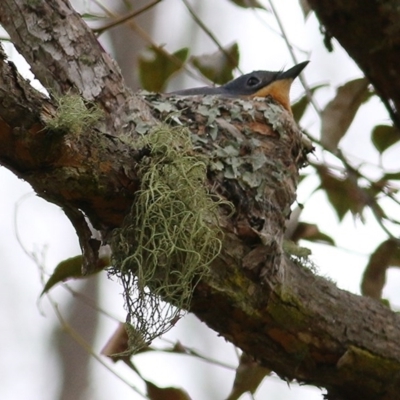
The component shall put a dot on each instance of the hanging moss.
(168, 241)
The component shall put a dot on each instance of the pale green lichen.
(74, 114)
(171, 236)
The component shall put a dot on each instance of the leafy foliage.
(300, 107)
(343, 193)
(249, 375)
(384, 136)
(157, 66)
(311, 232)
(374, 278)
(218, 67)
(71, 268)
(248, 4)
(169, 393)
(340, 111)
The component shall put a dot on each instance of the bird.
(254, 84)
(255, 147)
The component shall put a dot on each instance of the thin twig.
(147, 38)
(88, 301)
(67, 328)
(207, 31)
(336, 153)
(294, 58)
(123, 18)
(86, 346)
(191, 352)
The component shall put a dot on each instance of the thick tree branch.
(369, 32)
(305, 328)
(50, 161)
(300, 325)
(62, 59)
(66, 58)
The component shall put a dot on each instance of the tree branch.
(66, 58)
(369, 32)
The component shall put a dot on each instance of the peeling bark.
(294, 322)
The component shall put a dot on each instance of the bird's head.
(266, 83)
(255, 84)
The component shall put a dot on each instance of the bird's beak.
(280, 88)
(293, 72)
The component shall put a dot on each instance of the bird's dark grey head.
(242, 86)
(246, 85)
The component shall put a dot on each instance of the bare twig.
(85, 345)
(124, 18)
(207, 31)
(294, 58)
(147, 38)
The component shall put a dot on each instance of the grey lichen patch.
(164, 106)
(74, 115)
(142, 127)
(210, 112)
(251, 170)
(171, 236)
(274, 116)
(254, 150)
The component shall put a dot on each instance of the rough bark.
(298, 324)
(369, 32)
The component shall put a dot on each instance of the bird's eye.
(253, 81)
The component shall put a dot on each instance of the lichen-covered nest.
(211, 156)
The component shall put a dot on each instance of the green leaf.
(156, 67)
(169, 393)
(395, 258)
(300, 106)
(384, 136)
(93, 17)
(71, 268)
(228, 151)
(374, 277)
(394, 176)
(219, 66)
(249, 375)
(248, 4)
(386, 303)
(340, 112)
(293, 249)
(336, 192)
(311, 233)
(343, 193)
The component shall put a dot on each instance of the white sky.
(28, 370)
